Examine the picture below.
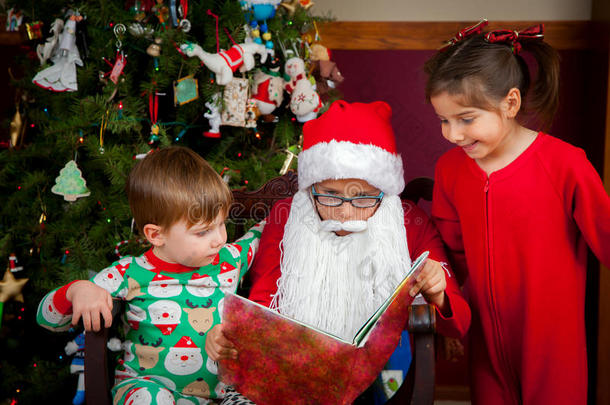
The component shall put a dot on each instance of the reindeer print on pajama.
(169, 308)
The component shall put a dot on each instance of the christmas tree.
(103, 84)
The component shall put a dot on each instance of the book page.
(406, 282)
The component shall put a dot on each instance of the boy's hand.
(88, 302)
(217, 346)
(431, 283)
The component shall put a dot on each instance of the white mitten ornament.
(304, 101)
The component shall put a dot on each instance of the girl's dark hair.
(483, 73)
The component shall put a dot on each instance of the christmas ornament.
(252, 114)
(185, 90)
(70, 183)
(123, 243)
(139, 9)
(34, 30)
(224, 63)
(17, 128)
(62, 75)
(178, 15)
(154, 49)
(120, 58)
(162, 13)
(103, 125)
(137, 30)
(153, 110)
(76, 347)
(213, 116)
(235, 98)
(268, 89)
(304, 101)
(14, 18)
(49, 48)
(292, 5)
(227, 173)
(257, 12)
(12, 263)
(10, 288)
(116, 68)
(324, 70)
(291, 153)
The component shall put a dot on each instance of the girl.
(517, 209)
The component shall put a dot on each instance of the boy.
(174, 292)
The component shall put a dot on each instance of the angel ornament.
(62, 75)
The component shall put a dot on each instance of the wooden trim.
(391, 35)
(603, 350)
(452, 392)
(11, 38)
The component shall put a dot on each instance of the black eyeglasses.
(366, 201)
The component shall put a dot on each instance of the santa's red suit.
(421, 236)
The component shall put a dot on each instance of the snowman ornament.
(304, 101)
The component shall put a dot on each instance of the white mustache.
(349, 226)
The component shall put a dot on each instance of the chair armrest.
(422, 325)
(418, 386)
(97, 376)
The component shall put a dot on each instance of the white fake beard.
(335, 283)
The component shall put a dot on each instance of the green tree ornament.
(70, 183)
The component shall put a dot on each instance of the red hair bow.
(513, 37)
(465, 33)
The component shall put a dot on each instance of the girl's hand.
(432, 284)
(89, 301)
(217, 346)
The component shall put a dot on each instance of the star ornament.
(10, 287)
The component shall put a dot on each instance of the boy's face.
(195, 246)
(346, 211)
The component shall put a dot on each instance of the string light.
(65, 257)
(257, 135)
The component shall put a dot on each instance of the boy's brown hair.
(175, 183)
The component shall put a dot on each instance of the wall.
(452, 10)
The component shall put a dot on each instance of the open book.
(283, 361)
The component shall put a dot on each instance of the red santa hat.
(352, 141)
(226, 267)
(185, 342)
(163, 279)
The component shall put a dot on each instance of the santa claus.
(334, 252)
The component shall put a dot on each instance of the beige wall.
(454, 10)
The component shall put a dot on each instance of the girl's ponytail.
(544, 92)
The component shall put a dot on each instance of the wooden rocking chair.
(418, 387)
